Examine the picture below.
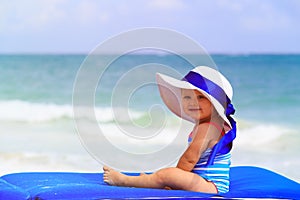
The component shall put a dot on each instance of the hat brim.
(170, 92)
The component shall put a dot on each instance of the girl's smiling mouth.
(194, 109)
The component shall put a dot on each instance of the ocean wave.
(266, 137)
(22, 111)
(253, 135)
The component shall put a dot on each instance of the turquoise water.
(266, 87)
(38, 78)
(36, 91)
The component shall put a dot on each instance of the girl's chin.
(195, 117)
(198, 118)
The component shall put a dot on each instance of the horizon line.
(187, 53)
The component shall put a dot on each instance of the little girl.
(203, 97)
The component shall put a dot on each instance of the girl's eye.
(186, 97)
(200, 97)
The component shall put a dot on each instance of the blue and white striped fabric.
(218, 173)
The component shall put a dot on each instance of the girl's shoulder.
(201, 131)
(208, 126)
(209, 130)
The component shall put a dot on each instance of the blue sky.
(220, 26)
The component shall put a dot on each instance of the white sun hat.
(206, 80)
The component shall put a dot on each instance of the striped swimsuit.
(218, 173)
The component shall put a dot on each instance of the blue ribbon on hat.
(225, 143)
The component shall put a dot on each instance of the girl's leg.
(174, 178)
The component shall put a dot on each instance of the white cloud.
(31, 14)
(214, 22)
(91, 11)
(257, 16)
(236, 6)
(167, 4)
(266, 17)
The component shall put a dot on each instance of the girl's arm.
(198, 145)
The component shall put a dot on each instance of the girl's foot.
(113, 177)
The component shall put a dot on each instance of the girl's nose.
(193, 101)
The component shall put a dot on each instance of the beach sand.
(57, 148)
(30, 148)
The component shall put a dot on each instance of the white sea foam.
(269, 137)
(270, 146)
(22, 111)
(250, 134)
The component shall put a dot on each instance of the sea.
(40, 130)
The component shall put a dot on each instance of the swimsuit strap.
(190, 137)
(222, 130)
(225, 143)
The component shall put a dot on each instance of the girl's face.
(196, 105)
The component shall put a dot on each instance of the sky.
(220, 26)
